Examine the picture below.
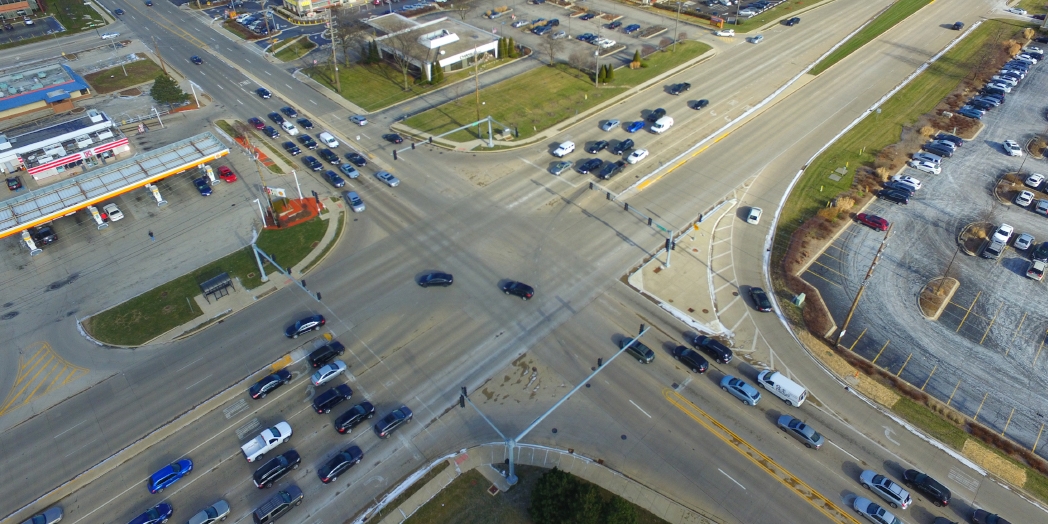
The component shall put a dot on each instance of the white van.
(780, 386)
(564, 149)
(289, 127)
(661, 125)
(328, 139)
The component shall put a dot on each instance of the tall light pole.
(675, 25)
(596, 65)
(334, 59)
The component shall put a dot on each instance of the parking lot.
(985, 354)
(16, 29)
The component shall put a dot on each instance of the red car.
(873, 221)
(227, 174)
(257, 122)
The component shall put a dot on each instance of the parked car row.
(993, 92)
(755, 8)
(256, 22)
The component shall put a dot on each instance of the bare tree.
(352, 33)
(465, 7)
(552, 46)
(580, 60)
(406, 50)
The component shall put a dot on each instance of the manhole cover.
(734, 293)
(251, 275)
(704, 310)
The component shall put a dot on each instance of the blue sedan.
(156, 515)
(741, 390)
(334, 179)
(202, 186)
(169, 474)
(633, 127)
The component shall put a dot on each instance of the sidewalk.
(485, 458)
(240, 298)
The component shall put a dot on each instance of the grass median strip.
(171, 304)
(114, 79)
(565, 93)
(888, 18)
(297, 48)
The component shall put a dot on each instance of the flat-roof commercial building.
(17, 8)
(53, 87)
(47, 150)
(451, 44)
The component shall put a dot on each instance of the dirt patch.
(994, 463)
(134, 91)
(1037, 145)
(935, 295)
(973, 235)
(863, 384)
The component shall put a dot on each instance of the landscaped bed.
(113, 79)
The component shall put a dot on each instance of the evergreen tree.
(374, 56)
(553, 497)
(618, 511)
(440, 71)
(610, 75)
(166, 91)
(636, 56)
(503, 47)
(365, 54)
(600, 75)
(512, 48)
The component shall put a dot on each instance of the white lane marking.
(268, 73)
(311, 100)
(289, 87)
(888, 435)
(71, 429)
(199, 381)
(731, 479)
(189, 364)
(220, 87)
(75, 451)
(239, 102)
(845, 451)
(638, 407)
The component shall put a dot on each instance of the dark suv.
(331, 398)
(326, 354)
(330, 156)
(1041, 253)
(273, 470)
(278, 505)
(937, 493)
(622, 146)
(639, 351)
(691, 359)
(715, 349)
(519, 289)
(356, 414)
(656, 114)
(43, 235)
(265, 386)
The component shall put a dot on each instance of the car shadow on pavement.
(1017, 265)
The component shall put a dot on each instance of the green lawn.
(297, 49)
(898, 12)
(466, 501)
(407, 493)
(381, 85)
(564, 92)
(876, 131)
(931, 423)
(113, 79)
(1033, 7)
(169, 305)
(74, 15)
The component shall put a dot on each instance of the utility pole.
(476, 76)
(334, 59)
(675, 24)
(157, 49)
(865, 282)
(265, 189)
(511, 443)
(596, 66)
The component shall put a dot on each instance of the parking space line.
(1012, 341)
(954, 392)
(969, 312)
(829, 268)
(810, 272)
(1008, 422)
(992, 320)
(881, 351)
(1040, 348)
(908, 357)
(857, 339)
(927, 380)
(976, 417)
(1035, 442)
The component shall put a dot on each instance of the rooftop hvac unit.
(94, 115)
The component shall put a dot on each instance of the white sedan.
(927, 167)
(328, 372)
(907, 179)
(1024, 241)
(755, 215)
(114, 212)
(1012, 148)
(637, 156)
(1016, 11)
(1034, 180)
(1024, 198)
(1003, 233)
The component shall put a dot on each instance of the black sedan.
(263, 387)
(591, 164)
(611, 169)
(393, 137)
(289, 111)
(597, 147)
(656, 114)
(357, 159)
(276, 118)
(677, 89)
(270, 131)
(323, 402)
(622, 146)
(338, 465)
(519, 289)
(333, 179)
(352, 418)
(313, 163)
(330, 156)
(760, 299)
(305, 123)
(196, 60)
(264, 93)
(307, 141)
(699, 104)
(291, 148)
(436, 279)
(311, 323)
(390, 423)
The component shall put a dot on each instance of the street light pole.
(596, 65)
(675, 25)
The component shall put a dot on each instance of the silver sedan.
(388, 178)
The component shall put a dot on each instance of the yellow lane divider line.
(798, 486)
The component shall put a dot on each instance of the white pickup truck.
(267, 440)
(725, 32)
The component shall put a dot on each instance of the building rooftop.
(37, 132)
(49, 83)
(440, 32)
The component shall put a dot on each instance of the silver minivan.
(354, 201)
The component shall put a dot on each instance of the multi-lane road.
(417, 346)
